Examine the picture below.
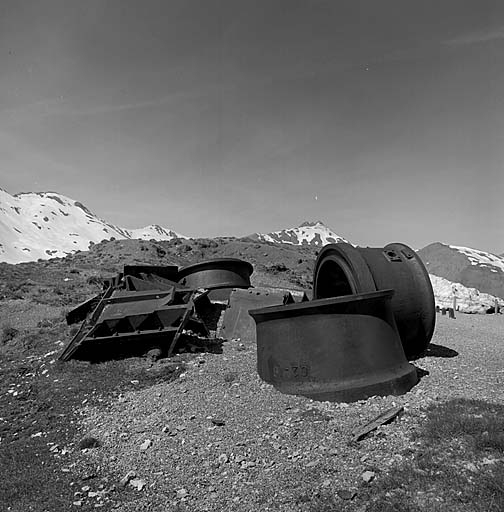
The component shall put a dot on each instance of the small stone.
(223, 458)
(138, 483)
(367, 476)
(345, 494)
(146, 445)
(154, 354)
(471, 467)
(126, 478)
(77, 503)
(86, 488)
(182, 493)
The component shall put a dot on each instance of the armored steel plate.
(342, 269)
(237, 323)
(340, 349)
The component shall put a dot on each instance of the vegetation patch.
(458, 463)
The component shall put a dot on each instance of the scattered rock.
(145, 445)
(138, 483)
(126, 478)
(154, 354)
(367, 476)
(345, 494)
(88, 442)
(223, 458)
(182, 493)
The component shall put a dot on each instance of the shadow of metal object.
(434, 350)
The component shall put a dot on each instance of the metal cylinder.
(217, 273)
(342, 269)
(339, 349)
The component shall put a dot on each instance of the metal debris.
(338, 349)
(382, 419)
(146, 308)
(342, 269)
(237, 323)
(217, 273)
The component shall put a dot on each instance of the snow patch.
(308, 233)
(480, 258)
(68, 226)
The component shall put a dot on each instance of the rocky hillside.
(470, 267)
(315, 234)
(46, 224)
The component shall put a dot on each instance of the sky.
(384, 119)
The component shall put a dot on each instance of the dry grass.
(458, 465)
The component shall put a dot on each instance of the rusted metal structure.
(147, 307)
(237, 323)
(372, 309)
(217, 273)
(126, 323)
(337, 349)
(342, 269)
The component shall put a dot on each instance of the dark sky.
(384, 119)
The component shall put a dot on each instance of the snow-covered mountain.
(46, 225)
(308, 233)
(481, 258)
(470, 267)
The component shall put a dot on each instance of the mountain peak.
(310, 223)
(309, 233)
(48, 224)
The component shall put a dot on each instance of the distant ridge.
(470, 267)
(309, 233)
(46, 225)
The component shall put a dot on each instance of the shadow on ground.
(434, 350)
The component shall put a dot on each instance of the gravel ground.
(218, 438)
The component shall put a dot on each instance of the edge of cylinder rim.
(194, 266)
(432, 299)
(300, 306)
(354, 261)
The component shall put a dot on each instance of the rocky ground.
(218, 438)
(202, 431)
